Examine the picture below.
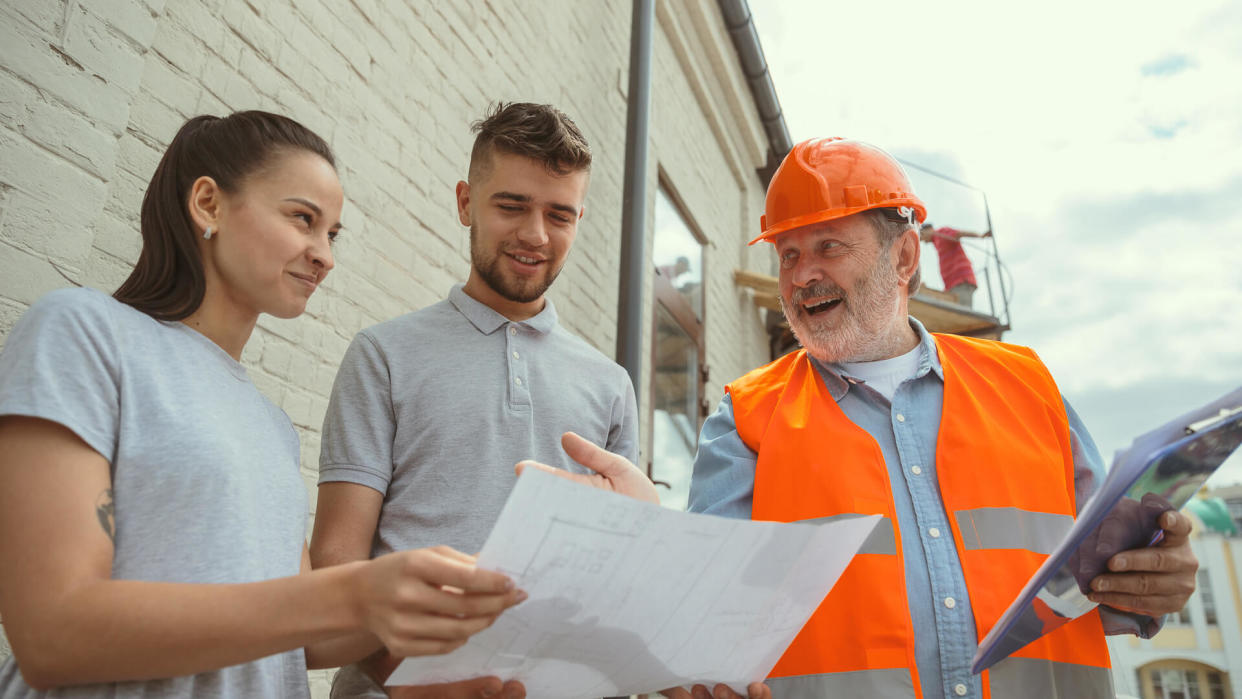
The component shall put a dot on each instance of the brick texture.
(91, 92)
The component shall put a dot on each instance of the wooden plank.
(938, 319)
(754, 280)
(937, 294)
(771, 302)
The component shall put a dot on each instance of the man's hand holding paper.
(757, 690)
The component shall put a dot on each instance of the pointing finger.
(594, 457)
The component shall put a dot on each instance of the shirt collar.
(838, 381)
(487, 320)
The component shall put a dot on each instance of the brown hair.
(538, 131)
(168, 282)
(889, 223)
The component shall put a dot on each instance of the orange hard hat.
(827, 178)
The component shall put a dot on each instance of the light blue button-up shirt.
(906, 430)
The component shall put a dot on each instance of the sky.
(1107, 137)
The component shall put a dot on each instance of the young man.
(431, 410)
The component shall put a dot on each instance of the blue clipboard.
(1162, 469)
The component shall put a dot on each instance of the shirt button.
(512, 330)
(518, 381)
(916, 470)
(960, 690)
(515, 355)
(950, 603)
(935, 533)
(901, 418)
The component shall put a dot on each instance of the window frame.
(682, 312)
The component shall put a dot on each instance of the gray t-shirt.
(434, 408)
(204, 468)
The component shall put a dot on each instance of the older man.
(964, 446)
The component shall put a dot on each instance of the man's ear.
(463, 202)
(205, 202)
(907, 251)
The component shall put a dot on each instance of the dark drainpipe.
(634, 197)
(741, 28)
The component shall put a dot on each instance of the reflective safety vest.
(1006, 473)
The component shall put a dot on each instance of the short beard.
(863, 334)
(517, 291)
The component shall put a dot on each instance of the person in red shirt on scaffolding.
(955, 268)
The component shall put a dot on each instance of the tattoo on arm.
(106, 510)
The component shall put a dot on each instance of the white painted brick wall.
(92, 90)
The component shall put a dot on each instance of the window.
(1235, 511)
(1175, 684)
(1192, 685)
(1204, 590)
(678, 371)
(1216, 686)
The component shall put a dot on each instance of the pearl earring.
(207, 233)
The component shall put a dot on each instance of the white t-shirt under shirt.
(204, 468)
(884, 375)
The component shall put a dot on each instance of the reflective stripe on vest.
(1012, 528)
(1005, 468)
(1013, 678)
(889, 684)
(1044, 679)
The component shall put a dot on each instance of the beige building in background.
(92, 90)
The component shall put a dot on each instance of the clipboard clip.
(1211, 421)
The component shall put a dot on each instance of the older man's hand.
(756, 690)
(1154, 581)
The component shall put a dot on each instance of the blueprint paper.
(1161, 470)
(628, 597)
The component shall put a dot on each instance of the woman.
(138, 463)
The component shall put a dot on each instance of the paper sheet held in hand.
(628, 597)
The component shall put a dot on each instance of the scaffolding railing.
(956, 204)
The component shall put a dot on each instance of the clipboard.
(1162, 469)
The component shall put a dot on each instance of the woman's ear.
(205, 202)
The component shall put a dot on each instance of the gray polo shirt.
(434, 408)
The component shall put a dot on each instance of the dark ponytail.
(168, 282)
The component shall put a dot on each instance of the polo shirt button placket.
(520, 390)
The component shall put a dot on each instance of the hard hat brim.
(832, 214)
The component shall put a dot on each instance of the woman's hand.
(429, 601)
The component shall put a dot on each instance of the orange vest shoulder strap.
(755, 395)
(1014, 358)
